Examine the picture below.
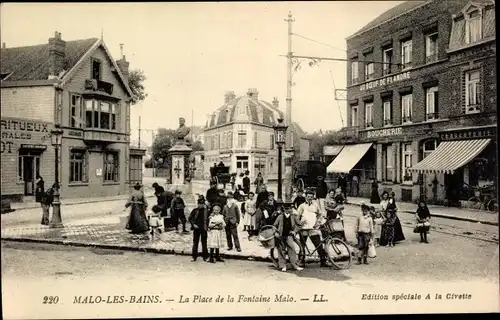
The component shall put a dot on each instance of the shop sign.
(98, 172)
(384, 132)
(18, 129)
(481, 51)
(385, 81)
(75, 133)
(33, 146)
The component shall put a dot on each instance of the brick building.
(79, 86)
(241, 135)
(423, 121)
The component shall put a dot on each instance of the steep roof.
(32, 62)
(391, 13)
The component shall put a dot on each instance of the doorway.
(454, 185)
(29, 169)
(241, 164)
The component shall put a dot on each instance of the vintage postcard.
(211, 159)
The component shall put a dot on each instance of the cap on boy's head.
(279, 201)
(155, 185)
(271, 193)
(201, 201)
(364, 207)
(251, 193)
(287, 205)
(309, 192)
(221, 191)
(178, 192)
(230, 194)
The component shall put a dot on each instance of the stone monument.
(178, 153)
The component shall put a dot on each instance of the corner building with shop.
(422, 101)
(77, 85)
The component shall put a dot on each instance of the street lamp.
(280, 139)
(56, 137)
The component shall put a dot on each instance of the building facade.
(77, 85)
(241, 135)
(423, 82)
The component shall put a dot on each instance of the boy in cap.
(287, 224)
(177, 211)
(199, 224)
(231, 213)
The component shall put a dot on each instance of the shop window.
(473, 28)
(354, 72)
(472, 98)
(431, 47)
(369, 115)
(111, 166)
(387, 59)
(78, 166)
(387, 105)
(406, 159)
(387, 161)
(242, 139)
(354, 116)
(369, 71)
(431, 103)
(75, 120)
(406, 54)
(406, 108)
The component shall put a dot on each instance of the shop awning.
(348, 158)
(451, 155)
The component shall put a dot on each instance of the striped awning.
(348, 158)
(451, 155)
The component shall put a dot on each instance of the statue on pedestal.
(182, 131)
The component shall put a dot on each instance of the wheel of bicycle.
(298, 250)
(339, 253)
(492, 205)
(300, 184)
(474, 203)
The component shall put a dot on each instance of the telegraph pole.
(139, 132)
(289, 149)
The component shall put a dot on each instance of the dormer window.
(473, 30)
(96, 69)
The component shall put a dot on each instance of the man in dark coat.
(212, 194)
(262, 196)
(199, 224)
(232, 215)
(246, 182)
(342, 184)
(221, 198)
(163, 202)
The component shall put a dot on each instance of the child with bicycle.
(287, 224)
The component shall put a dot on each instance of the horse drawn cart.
(220, 175)
(306, 173)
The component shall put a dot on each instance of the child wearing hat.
(364, 231)
(286, 225)
(177, 210)
(216, 227)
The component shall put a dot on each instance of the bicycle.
(482, 200)
(337, 251)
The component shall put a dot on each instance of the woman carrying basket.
(286, 225)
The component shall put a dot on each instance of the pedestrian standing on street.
(177, 210)
(46, 203)
(342, 184)
(239, 181)
(199, 224)
(375, 198)
(279, 209)
(221, 198)
(263, 195)
(39, 194)
(311, 219)
(233, 181)
(250, 209)
(216, 226)
(231, 213)
(212, 194)
(321, 192)
(137, 221)
(246, 217)
(378, 221)
(271, 206)
(260, 218)
(163, 204)
(259, 182)
(246, 182)
(287, 224)
(355, 186)
(423, 217)
(388, 232)
(364, 231)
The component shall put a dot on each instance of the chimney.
(276, 103)
(3, 45)
(229, 96)
(123, 64)
(253, 93)
(57, 55)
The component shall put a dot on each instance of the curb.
(138, 249)
(446, 216)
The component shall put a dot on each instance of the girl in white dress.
(216, 226)
(250, 208)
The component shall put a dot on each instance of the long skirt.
(137, 222)
(247, 219)
(375, 197)
(215, 239)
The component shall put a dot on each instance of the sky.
(192, 53)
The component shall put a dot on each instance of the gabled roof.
(391, 14)
(32, 62)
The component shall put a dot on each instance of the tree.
(164, 140)
(320, 139)
(136, 78)
(197, 146)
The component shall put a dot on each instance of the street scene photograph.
(209, 159)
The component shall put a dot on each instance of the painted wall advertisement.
(17, 132)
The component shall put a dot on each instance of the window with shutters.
(472, 91)
(354, 72)
(369, 71)
(387, 59)
(406, 54)
(76, 116)
(387, 163)
(473, 27)
(387, 112)
(406, 108)
(431, 103)
(242, 139)
(431, 47)
(369, 115)
(354, 116)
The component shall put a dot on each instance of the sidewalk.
(462, 214)
(110, 233)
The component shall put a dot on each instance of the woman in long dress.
(398, 230)
(137, 221)
(375, 198)
(259, 181)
